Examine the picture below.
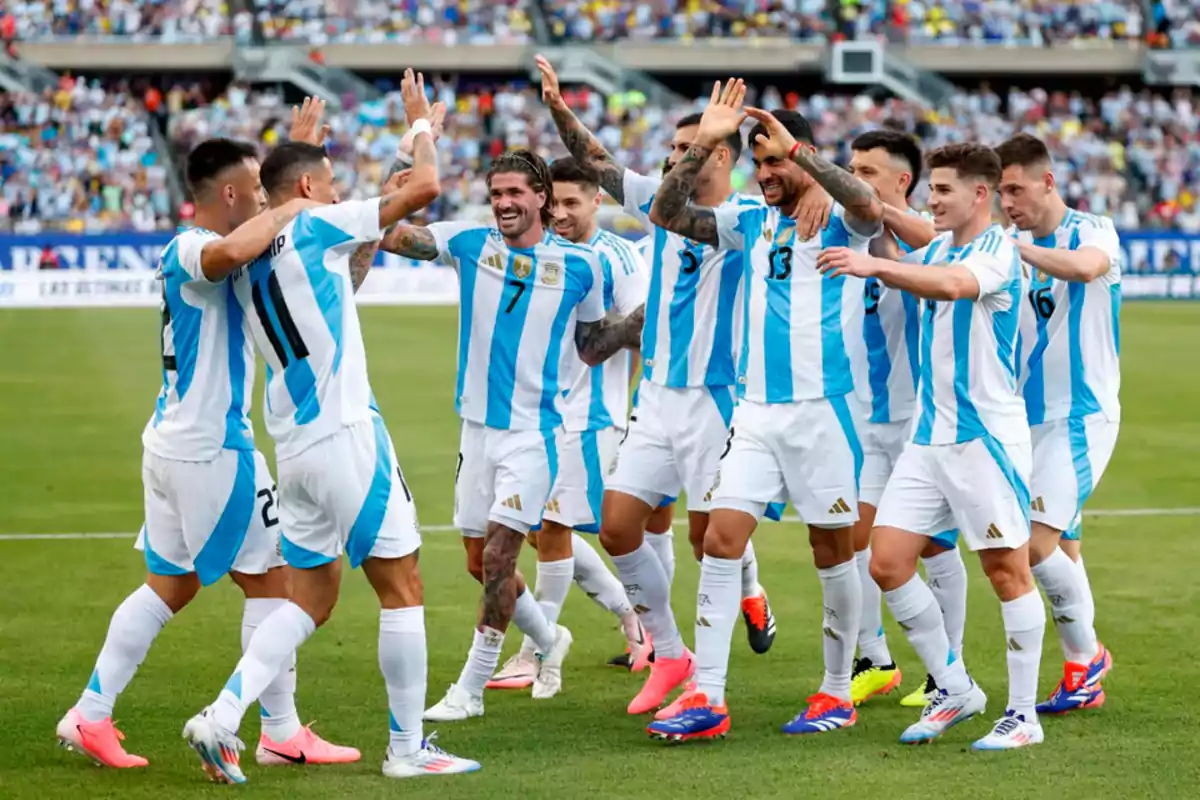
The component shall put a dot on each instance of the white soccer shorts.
(347, 494)
(674, 443)
(503, 477)
(981, 487)
(209, 517)
(584, 458)
(882, 444)
(807, 452)
(1069, 456)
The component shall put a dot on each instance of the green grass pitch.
(76, 387)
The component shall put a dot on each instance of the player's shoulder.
(185, 246)
(992, 242)
(1087, 220)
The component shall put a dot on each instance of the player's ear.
(229, 194)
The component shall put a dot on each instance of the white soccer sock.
(872, 642)
(750, 585)
(596, 580)
(663, 545)
(916, 610)
(1060, 579)
(132, 630)
(841, 590)
(277, 703)
(482, 660)
(531, 620)
(402, 660)
(947, 577)
(717, 603)
(553, 583)
(1024, 627)
(649, 591)
(1089, 601)
(270, 647)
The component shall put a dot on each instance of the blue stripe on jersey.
(466, 248)
(185, 320)
(237, 432)
(313, 238)
(365, 529)
(725, 400)
(969, 424)
(506, 339)
(1010, 473)
(720, 371)
(1114, 295)
(298, 376)
(622, 248)
(842, 410)
(301, 557)
(1005, 323)
(156, 565)
(682, 323)
(653, 300)
(925, 421)
(777, 327)
(595, 480)
(912, 334)
(216, 557)
(1035, 384)
(1077, 436)
(598, 416)
(835, 362)
(879, 363)
(549, 413)
(744, 358)
(1083, 400)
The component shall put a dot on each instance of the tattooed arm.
(672, 208)
(854, 194)
(598, 341)
(362, 258)
(421, 189)
(411, 241)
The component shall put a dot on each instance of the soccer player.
(886, 354)
(341, 489)
(595, 414)
(969, 460)
(794, 430)
(524, 294)
(203, 478)
(1071, 380)
(686, 397)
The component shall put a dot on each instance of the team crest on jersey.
(1041, 276)
(782, 235)
(522, 266)
(551, 272)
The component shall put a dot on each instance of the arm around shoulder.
(219, 257)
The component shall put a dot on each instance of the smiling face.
(575, 207)
(516, 206)
(781, 180)
(956, 199)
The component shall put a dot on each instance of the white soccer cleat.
(218, 748)
(549, 678)
(943, 712)
(1012, 731)
(429, 760)
(518, 672)
(456, 706)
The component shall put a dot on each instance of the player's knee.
(1008, 571)
(727, 534)
(272, 583)
(474, 552)
(889, 570)
(831, 546)
(500, 552)
(176, 591)
(1042, 543)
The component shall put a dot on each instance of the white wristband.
(421, 126)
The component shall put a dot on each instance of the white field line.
(1099, 512)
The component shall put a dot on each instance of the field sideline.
(76, 388)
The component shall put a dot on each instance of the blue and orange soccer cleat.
(824, 713)
(697, 719)
(1081, 686)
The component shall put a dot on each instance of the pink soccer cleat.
(306, 747)
(666, 675)
(680, 704)
(99, 741)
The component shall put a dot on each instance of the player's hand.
(886, 246)
(724, 114)
(551, 94)
(396, 182)
(777, 142)
(812, 214)
(436, 121)
(306, 122)
(835, 261)
(412, 93)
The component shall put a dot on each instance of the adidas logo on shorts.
(840, 507)
(993, 532)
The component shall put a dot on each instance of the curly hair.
(536, 172)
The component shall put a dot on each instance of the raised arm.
(579, 141)
(598, 341)
(222, 256)
(854, 194)
(422, 186)
(411, 241)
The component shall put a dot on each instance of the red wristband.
(792, 152)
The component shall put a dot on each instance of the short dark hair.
(896, 143)
(569, 170)
(536, 172)
(968, 159)
(1023, 150)
(792, 121)
(733, 141)
(283, 166)
(211, 157)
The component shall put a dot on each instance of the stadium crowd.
(1036, 22)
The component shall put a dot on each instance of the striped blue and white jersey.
(694, 307)
(598, 396)
(968, 382)
(207, 361)
(518, 309)
(1070, 332)
(299, 300)
(797, 321)
(886, 354)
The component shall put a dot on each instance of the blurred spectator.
(141, 20)
(447, 22)
(586, 20)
